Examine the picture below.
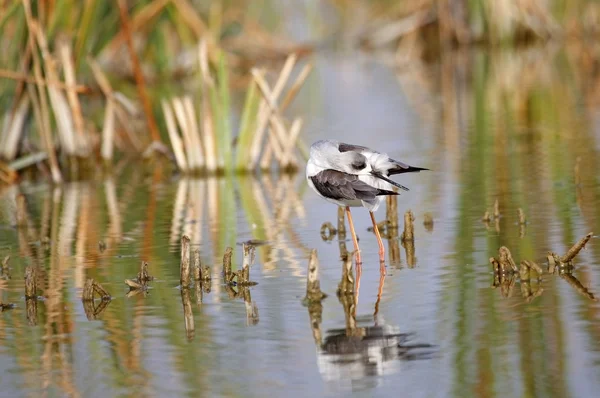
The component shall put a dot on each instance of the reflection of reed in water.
(268, 206)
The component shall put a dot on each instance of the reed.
(51, 52)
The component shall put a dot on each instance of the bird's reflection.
(366, 346)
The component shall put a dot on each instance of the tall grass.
(50, 48)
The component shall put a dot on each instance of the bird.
(354, 176)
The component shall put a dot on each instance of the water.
(506, 126)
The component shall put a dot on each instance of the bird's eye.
(359, 165)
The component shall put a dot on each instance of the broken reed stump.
(346, 285)
(504, 270)
(227, 264)
(573, 251)
(313, 285)
(30, 282)
(248, 259)
(391, 211)
(341, 223)
(505, 259)
(101, 246)
(143, 276)
(242, 276)
(197, 265)
(91, 287)
(185, 278)
(327, 231)
(6, 307)
(142, 279)
(409, 228)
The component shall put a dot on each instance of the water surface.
(506, 126)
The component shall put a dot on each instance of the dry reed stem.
(5, 263)
(62, 113)
(278, 136)
(295, 87)
(194, 130)
(264, 113)
(227, 264)
(290, 144)
(185, 262)
(206, 112)
(39, 100)
(191, 17)
(137, 71)
(9, 74)
(573, 251)
(409, 230)
(176, 142)
(496, 209)
(70, 79)
(197, 265)
(10, 138)
(313, 285)
(141, 19)
(100, 77)
(182, 120)
(108, 130)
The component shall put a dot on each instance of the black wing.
(343, 186)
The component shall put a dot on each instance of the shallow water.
(506, 126)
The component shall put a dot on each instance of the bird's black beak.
(384, 178)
